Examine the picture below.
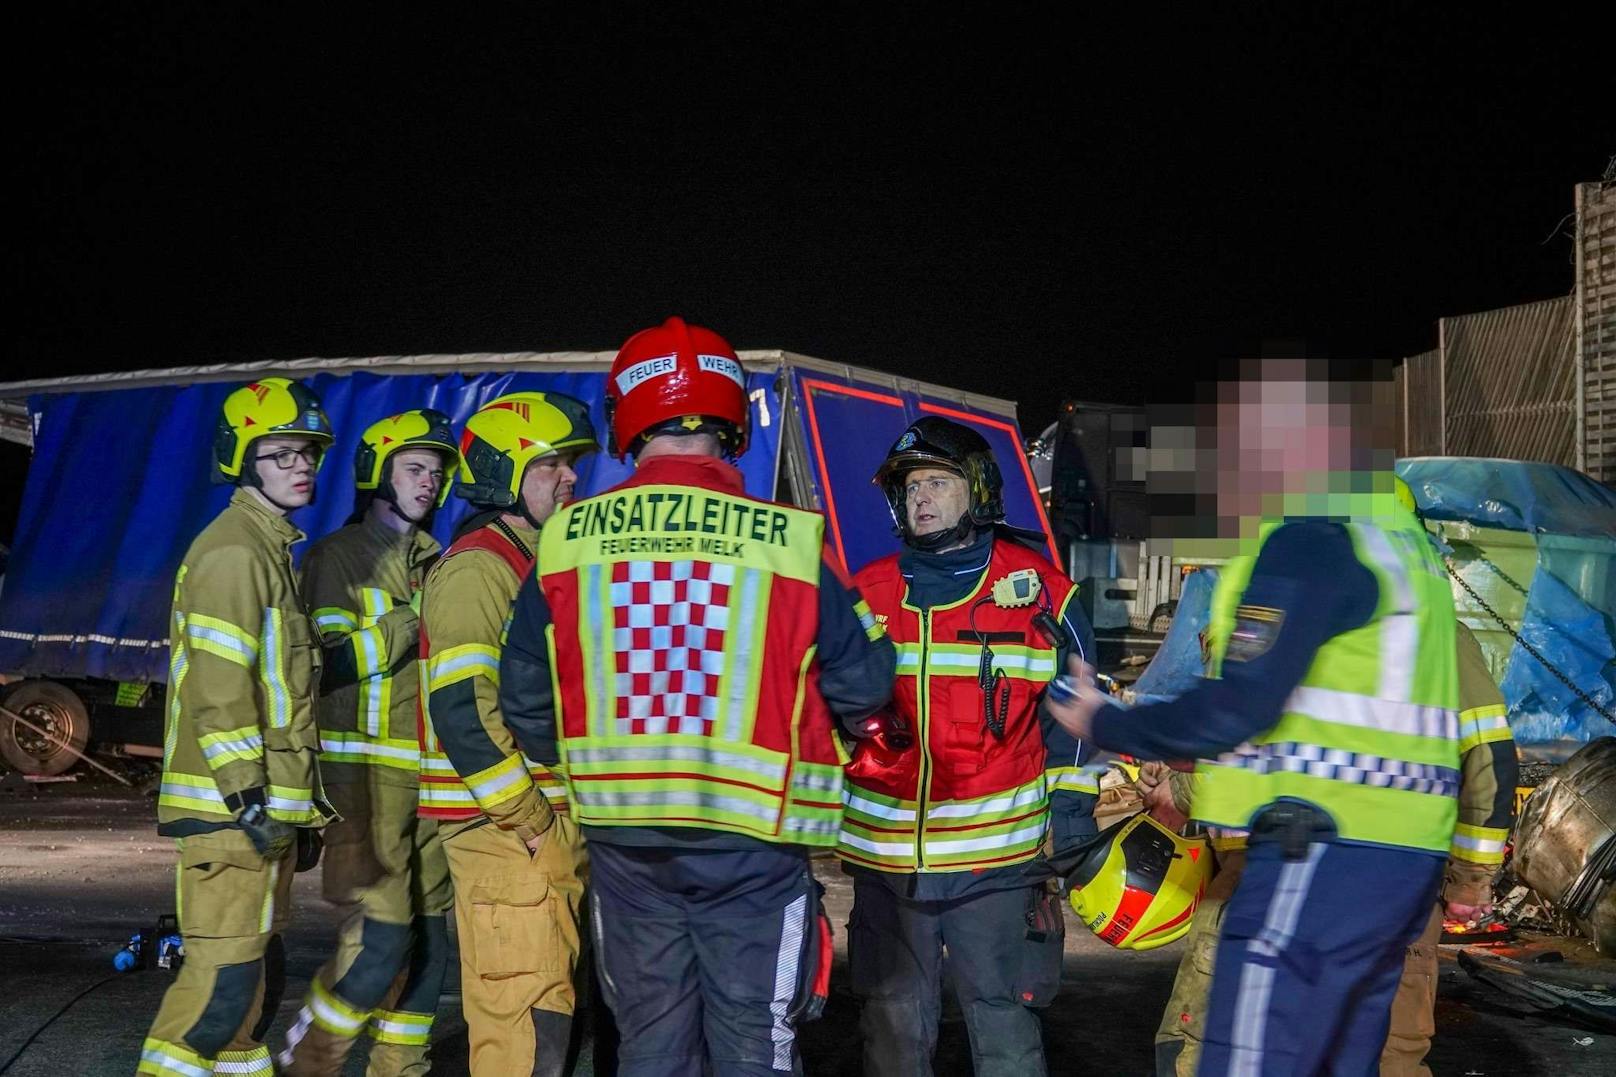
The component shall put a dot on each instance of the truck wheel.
(58, 712)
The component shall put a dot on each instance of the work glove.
(269, 836)
(309, 846)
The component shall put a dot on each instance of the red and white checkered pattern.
(669, 620)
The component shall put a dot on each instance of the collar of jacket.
(279, 527)
(939, 578)
(707, 472)
(385, 536)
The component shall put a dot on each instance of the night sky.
(1035, 204)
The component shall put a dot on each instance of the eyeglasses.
(287, 459)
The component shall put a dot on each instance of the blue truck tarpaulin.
(120, 484)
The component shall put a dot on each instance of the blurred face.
(1272, 435)
(547, 485)
(934, 499)
(417, 476)
(285, 468)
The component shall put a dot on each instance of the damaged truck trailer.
(120, 482)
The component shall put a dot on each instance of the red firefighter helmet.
(672, 378)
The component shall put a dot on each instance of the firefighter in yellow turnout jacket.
(241, 783)
(383, 864)
(516, 859)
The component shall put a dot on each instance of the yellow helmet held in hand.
(269, 407)
(423, 428)
(1138, 886)
(512, 431)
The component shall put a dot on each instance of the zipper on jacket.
(923, 695)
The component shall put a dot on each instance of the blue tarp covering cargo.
(1533, 544)
(119, 483)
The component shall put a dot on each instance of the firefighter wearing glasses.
(682, 651)
(516, 859)
(945, 840)
(241, 782)
(383, 864)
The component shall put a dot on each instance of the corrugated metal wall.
(1500, 383)
(1596, 326)
(1422, 404)
(1510, 382)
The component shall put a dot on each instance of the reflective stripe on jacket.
(1371, 734)
(243, 669)
(963, 798)
(358, 581)
(683, 641)
(470, 764)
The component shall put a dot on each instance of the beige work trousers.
(516, 915)
(232, 905)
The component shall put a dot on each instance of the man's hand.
(272, 838)
(1468, 914)
(535, 843)
(1155, 787)
(1075, 713)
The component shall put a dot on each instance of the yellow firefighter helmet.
(510, 432)
(1139, 884)
(269, 407)
(423, 428)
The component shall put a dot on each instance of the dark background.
(1037, 203)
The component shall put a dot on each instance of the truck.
(119, 483)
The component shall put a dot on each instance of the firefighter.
(1486, 813)
(946, 839)
(516, 859)
(383, 865)
(1329, 729)
(241, 781)
(682, 652)
(1489, 773)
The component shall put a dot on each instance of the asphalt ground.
(81, 869)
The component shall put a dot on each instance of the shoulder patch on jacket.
(1255, 629)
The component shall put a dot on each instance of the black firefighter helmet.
(936, 442)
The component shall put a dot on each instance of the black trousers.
(1000, 974)
(706, 958)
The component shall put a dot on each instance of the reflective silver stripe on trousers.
(1256, 987)
(786, 963)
